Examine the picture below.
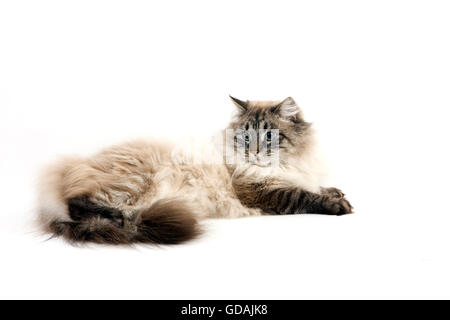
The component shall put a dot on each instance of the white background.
(374, 77)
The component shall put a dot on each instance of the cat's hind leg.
(82, 208)
(85, 200)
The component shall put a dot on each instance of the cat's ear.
(287, 109)
(242, 105)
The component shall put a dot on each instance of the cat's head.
(267, 133)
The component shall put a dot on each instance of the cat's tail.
(166, 221)
(80, 220)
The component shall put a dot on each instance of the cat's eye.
(247, 138)
(269, 136)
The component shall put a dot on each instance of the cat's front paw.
(339, 206)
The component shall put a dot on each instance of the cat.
(156, 192)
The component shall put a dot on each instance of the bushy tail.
(167, 221)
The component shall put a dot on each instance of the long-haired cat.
(265, 162)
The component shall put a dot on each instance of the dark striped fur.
(292, 200)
